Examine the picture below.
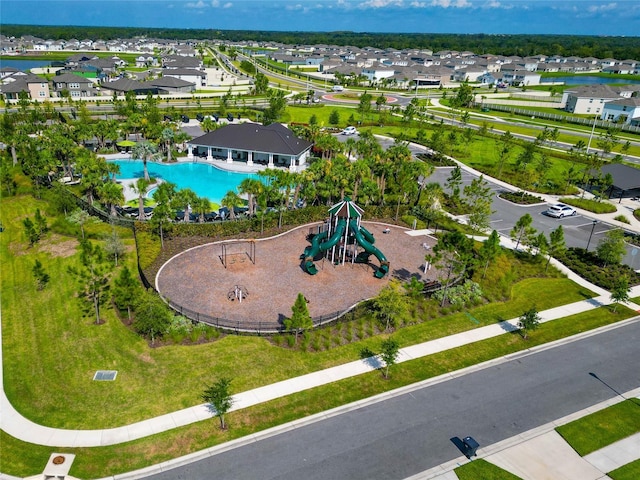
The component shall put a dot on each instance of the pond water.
(24, 65)
(589, 80)
(206, 180)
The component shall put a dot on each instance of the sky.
(571, 17)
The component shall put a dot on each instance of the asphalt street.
(579, 231)
(415, 431)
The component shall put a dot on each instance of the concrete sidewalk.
(542, 453)
(13, 423)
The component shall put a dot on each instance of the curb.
(434, 472)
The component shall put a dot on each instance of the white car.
(350, 131)
(560, 210)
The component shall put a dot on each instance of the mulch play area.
(198, 280)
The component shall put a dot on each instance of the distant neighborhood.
(171, 67)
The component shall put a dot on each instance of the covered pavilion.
(251, 143)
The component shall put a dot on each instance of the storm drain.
(105, 375)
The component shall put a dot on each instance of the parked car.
(560, 210)
(350, 131)
(184, 118)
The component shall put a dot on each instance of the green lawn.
(55, 349)
(65, 367)
(602, 428)
(24, 459)
(480, 469)
(631, 471)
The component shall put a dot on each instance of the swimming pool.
(206, 180)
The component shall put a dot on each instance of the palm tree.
(251, 188)
(167, 137)
(144, 151)
(230, 201)
(140, 188)
(110, 193)
(349, 146)
(186, 198)
(201, 206)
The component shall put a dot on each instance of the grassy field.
(482, 470)
(630, 471)
(602, 428)
(23, 459)
(65, 366)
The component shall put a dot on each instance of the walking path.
(13, 423)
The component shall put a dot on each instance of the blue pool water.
(205, 180)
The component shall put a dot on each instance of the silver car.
(560, 210)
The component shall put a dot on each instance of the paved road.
(413, 432)
(579, 231)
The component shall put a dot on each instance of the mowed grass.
(602, 428)
(56, 348)
(480, 469)
(630, 471)
(23, 459)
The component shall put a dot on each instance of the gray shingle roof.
(624, 176)
(275, 138)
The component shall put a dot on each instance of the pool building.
(251, 143)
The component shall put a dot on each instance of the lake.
(24, 65)
(588, 80)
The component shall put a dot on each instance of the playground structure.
(340, 239)
(234, 257)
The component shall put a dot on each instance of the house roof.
(624, 176)
(126, 85)
(275, 138)
(70, 78)
(171, 82)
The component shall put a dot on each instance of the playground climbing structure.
(343, 239)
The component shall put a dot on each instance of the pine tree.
(300, 319)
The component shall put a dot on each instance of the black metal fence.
(255, 327)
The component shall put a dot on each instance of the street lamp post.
(593, 227)
(592, 132)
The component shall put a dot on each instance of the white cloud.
(381, 3)
(450, 3)
(198, 4)
(603, 8)
(215, 3)
(227, 5)
(297, 6)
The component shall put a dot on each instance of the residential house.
(76, 85)
(624, 110)
(589, 99)
(35, 86)
(123, 85)
(190, 75)
(169, 84)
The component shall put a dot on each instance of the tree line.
(522, 45)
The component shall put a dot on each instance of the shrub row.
(588, 266)
(589, 205)
(521, 198)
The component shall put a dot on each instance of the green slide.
(319, 244)
(369, 249)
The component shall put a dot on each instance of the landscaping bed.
(590, 267)
(520, 198)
